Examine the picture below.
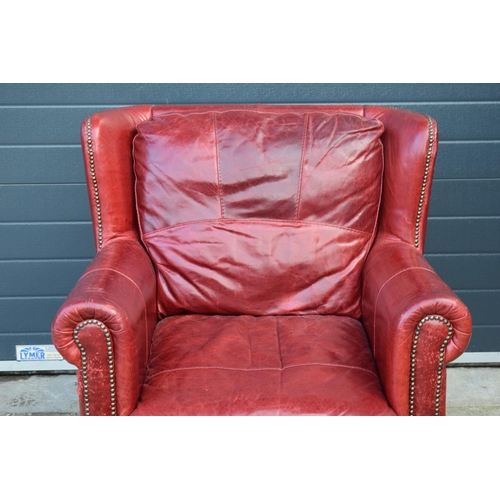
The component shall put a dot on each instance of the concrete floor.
(471, 391)
(38, 395)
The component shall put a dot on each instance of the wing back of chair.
(410, 148)
(414, 322)
(287, 142)
(107, 154)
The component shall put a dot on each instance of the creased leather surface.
(245, 365)
(112, 132)
(118, 289)
(98, 384)
(329, 109)
(400, 288)
(406, 145)
(258, 267)
(316, 178)
(399, 285)
(431, 338)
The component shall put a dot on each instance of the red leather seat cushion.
(260, 213)
(268, 365)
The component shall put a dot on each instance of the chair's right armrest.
(416, 324)
(105, 327)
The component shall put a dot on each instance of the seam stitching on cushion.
(250, 344)
(377, 216)
(301, 166)
(295, 111)
(217, 159)
(136, 182)
(298, 365)
(258, 221)
(279, 342)
(375, 226)
(380, 291)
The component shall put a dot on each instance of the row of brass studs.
(441, 361)
(94, 183)
(84, 364)
(424, 182)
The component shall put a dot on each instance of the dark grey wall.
(45, 233)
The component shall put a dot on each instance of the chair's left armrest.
(105, 327)
(415, 323)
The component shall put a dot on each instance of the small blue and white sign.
(37, 353)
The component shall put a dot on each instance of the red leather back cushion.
(247, 212)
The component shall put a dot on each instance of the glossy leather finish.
(256, 198)
(400, 288)
(107, 151)
(267, 365)
(258, 267)
(409, 150)
(119, 290)
(311, 295)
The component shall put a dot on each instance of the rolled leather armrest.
(415, 323)
(106, 324)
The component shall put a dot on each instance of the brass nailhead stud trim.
(440, 365)
(424, 181)
(94, 183)
(84, 364)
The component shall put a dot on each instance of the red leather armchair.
(260, 260)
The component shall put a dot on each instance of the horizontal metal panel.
(29, 314)
(52, 156)
(9, 341)
(465, 198)
(39, 278)
(47, 241)
(463, 235)
(242, 92)
(39, 203)
(468, 272)
(38, 164)
(43, 125)
(485, 339)
(483, 306)
(479, 121)
(29, 125)
(476, 160)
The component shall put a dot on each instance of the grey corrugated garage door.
(45, 233)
